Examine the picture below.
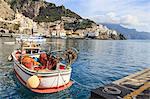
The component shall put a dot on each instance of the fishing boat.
(43, 72)
(38, 39)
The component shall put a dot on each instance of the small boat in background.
(9, 43)
(37, 39)
(43, 72)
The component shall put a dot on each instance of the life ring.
(111, 90)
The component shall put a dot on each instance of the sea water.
(99, 62)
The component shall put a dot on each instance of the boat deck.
(135, 85)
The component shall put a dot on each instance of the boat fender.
(111, 90)
(33, 81)
(10, 58)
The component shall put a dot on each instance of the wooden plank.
(139, 77)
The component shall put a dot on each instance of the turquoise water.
(99, 63)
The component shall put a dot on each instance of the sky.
(128, 13)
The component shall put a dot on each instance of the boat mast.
(21, 41)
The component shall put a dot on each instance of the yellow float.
(33, 81)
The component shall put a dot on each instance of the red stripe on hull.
(54, 89)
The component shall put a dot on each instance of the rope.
(138, 91)
(59, 73)
(80, 90)
(111, 90)
(87, 87)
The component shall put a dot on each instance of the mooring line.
(87, 87)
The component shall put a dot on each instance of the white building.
(54, 33)
(114, 32)
(62, 33)
(68, 19)
(92, 34)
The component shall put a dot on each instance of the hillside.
(40, 10)
(52, 21)
(6, 12)
(129, 33)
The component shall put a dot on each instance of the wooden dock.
(135, 86)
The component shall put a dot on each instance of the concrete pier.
(135, 86)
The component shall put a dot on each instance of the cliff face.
(6, 16)
(29, 8)
(41, 11)
(6, 12)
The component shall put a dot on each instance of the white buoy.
(33, 81)
(10, 58)
(9, 43)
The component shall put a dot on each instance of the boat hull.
(52, 81)
(31, 39)
(46, 90)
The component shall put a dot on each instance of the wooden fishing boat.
(40, 78)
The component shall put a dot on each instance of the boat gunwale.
(31, 72)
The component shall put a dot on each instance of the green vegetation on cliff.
(85, 23)
(53, 13)
(41, 11)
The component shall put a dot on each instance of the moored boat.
(37, 39)
(42, 72)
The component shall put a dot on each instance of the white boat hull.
(31, 39)
(51, 79)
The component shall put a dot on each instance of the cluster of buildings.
(56, 29)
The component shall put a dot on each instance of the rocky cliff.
(6, 17)
(40, 10)
(6, 12)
